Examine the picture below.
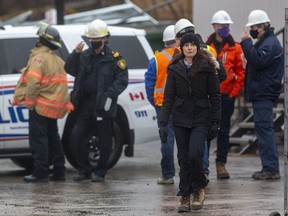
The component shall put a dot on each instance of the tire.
(25, 162)
(70, 146)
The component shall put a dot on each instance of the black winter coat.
(195, 101)
(112, 79)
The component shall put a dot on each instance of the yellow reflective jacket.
(43, 85)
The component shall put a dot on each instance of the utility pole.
(286, 113)
(59, 5)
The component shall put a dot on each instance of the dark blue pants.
(223, 136)
(167, 149)
(225, 123)
(86, 123)
(190, 144)
(44, 139)
(264, 128)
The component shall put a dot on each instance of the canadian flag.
(136, 96)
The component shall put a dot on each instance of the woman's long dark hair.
(200, 56)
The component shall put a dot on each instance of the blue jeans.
(264, 128)
(206, 158)
(167, 149)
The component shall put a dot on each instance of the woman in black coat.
(192, 94)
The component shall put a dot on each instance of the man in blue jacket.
(263, 83)
(155, 80)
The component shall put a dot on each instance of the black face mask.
(96, 45)
(254, 33)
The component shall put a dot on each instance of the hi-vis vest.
(43, 85)
(162, 60)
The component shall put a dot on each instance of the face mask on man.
(96, 44)
(223, 32)
(254, 33)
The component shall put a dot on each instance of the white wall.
(239, 10)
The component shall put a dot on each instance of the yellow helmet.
(97, 29)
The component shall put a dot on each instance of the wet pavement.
(130, 189)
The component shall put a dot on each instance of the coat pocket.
(203, 103)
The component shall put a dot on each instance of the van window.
(15, 53)
(129, 48)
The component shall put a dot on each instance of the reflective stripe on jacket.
(43, 85)
(233, 59)
(162, 60)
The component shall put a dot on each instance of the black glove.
(163, 133)
(213, 131)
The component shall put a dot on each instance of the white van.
(136, 118)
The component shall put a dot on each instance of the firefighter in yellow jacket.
(43, 89)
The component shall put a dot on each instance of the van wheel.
(25, 162)
(70, 147)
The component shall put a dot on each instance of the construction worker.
(101, 75)
(263, 83)
(231, 54)
(42, 88)
(155, 80)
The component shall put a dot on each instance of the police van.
(135, 121)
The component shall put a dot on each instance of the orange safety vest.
(162, 60)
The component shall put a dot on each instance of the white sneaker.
(163, 180)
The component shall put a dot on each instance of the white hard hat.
(168, 33)
(256, 17)
(183, 25)
(96, 29)
(221, 17)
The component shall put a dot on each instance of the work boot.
(165, 181)
(97, 179)
(57, 178)
(221, 171)
(185, 204)
(265, 175)
(198, 199)
(34, 179)
(82, 178)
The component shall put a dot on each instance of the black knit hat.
(189, 38)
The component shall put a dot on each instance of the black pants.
(45, 145)
(86, 123)
(190, 144)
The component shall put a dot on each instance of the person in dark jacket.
(231, 54)
(100, 76)
(263, 83)
(192, 95)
